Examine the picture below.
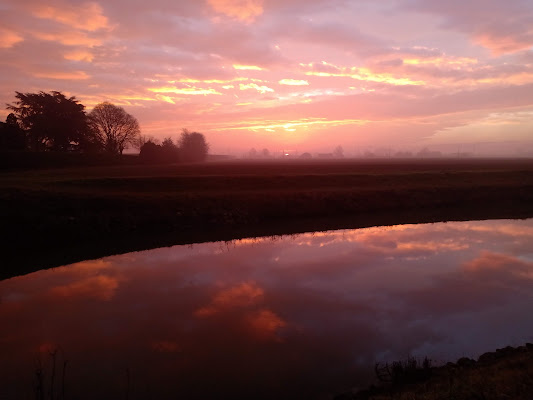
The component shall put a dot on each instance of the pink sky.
(304, 75)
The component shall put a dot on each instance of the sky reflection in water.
(263, 318)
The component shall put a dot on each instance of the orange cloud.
(69, 38)
(504, 44)
(431, 246)
(74, 75)
(489, 261)
(79, 55)
(87, 16)
(243, 10)
(9, 38)
(99, 287)
(265, 324)
(243, 295)
(246, 299)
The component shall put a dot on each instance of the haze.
(288, 74)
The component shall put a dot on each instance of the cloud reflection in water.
(272, 317)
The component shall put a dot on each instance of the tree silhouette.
(52, 121)
(114, 126)
(12, 136)
(338, 152)
(193, 146)
(170, 153)
(150, 152)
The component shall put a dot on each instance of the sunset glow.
(310, 75)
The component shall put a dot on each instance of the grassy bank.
(502, 374)
(57, 216)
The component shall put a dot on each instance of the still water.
(303, 316)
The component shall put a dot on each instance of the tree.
(12, 136)
(193, 146)
(150, 152)
(114, 126)
(170, 153)
(338, 152)
(52, 121)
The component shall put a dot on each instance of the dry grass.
(504, 374)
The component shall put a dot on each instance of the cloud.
(69, 38)
(500, 27)
(186, 91)
(293, 82)
(86, 16)
(100, 287)
(9, 38)
(63, 75)
(265, 324)
(79, 55)
(247, 67)
(243, 10)
(254, 86)
(240, 296)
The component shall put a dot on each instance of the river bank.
(506, 373)
(59, 216)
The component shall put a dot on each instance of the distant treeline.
(191, 147)
(52, 124)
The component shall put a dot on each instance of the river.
(302, 316)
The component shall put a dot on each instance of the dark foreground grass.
(503, 374)
(58, 216)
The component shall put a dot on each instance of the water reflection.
(297, 317)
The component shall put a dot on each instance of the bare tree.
(115, 127)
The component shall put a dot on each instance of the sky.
(288, 75)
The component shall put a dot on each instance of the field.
(58, 216)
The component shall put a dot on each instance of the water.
(303, 316)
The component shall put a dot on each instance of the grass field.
(57, 216)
